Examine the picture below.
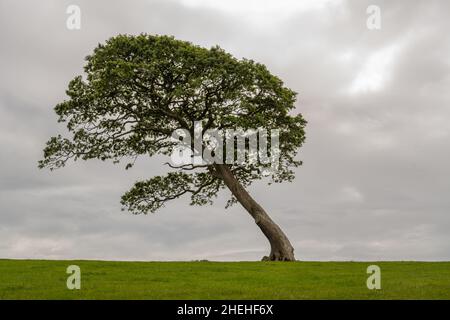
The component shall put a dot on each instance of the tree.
(139, 89)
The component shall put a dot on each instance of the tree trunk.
(280, 247)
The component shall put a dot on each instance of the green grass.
(46, 279)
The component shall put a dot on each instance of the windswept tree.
(139, 89)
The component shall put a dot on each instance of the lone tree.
(139, 89)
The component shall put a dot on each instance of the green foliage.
(139, 89)
(202, 186)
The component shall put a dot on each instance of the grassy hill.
(46, 279)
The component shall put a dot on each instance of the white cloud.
(262, 12)
(258, 6)
(375, 71)
(351, 194)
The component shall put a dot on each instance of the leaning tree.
(139, 89)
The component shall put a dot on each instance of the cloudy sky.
(375, 184)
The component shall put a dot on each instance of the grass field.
(46, 279)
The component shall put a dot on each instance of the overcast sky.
(375, 184)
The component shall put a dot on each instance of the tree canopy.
(138, 89)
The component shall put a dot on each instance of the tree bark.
(280, 247)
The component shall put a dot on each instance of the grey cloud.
(374, 183)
